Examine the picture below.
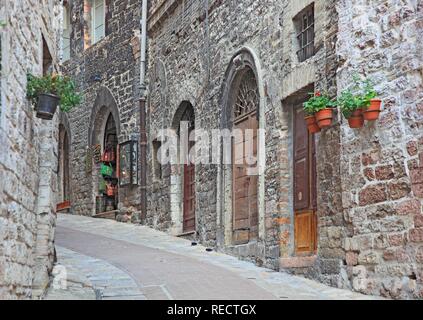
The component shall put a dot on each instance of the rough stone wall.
(28, 152)
(190, 53)
(318, 72)
(108, 66)
(368, 184)
(381, 164)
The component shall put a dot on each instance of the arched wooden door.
(189, 178)
(245, 186)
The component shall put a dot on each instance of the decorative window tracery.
(247, 99)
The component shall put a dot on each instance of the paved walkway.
(124, 261)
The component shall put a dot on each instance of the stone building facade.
(365, 195)
(106, 71)
(29, 32)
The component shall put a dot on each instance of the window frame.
(94, 39)
(303, 26)
(68, 24)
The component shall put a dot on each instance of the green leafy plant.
(317, 102)
(348, 103)
(61, 86)
(369, 92)
(356, 97)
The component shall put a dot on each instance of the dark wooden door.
(189, 198)
(245, 186)
(304, 187)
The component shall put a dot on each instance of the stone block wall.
(190, 53)
(107, 74)
(381, 163)
(369, 184)
(28, 151)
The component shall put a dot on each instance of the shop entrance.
(107, 200)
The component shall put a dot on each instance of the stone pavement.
(124, 261)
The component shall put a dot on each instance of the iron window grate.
(306, 35)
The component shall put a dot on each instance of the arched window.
(247, 99)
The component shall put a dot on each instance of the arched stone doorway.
(183, 200)
(245, 185)
(104, 140)
(241, 183)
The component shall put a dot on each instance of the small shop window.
(304, 23)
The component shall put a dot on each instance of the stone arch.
(185, 112)
(104, 104)
(244, 61)
(104, 108)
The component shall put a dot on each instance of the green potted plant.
(47, 92)
(319, 106)
(372, 105)
(351, 107)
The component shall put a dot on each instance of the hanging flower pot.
(47, 105)
(321, 106)
(373, 111)
(312, 124)
(356, 119)
(324, 117)
(47, 92)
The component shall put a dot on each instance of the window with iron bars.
(305, 33)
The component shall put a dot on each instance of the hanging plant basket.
(324, 118)
(47, 92)
(373, 111)
(47, 105)
(356, 119)
(312, 125)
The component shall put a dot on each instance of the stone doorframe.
(104, 105)
(177, 178)
(243, 60)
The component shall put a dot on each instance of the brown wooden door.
(304, 187)
(245, 206)
(189, 198)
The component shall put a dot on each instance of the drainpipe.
(143, 112)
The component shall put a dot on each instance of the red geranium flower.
(318, 94)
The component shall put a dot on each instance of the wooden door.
(189, 198)
(245, 187)
(304, 187)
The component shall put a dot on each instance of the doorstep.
(297, 262)
(110, 215)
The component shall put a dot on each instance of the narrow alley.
(131, 262)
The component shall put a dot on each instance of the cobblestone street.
(121, 261)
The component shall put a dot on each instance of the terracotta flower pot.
(324, 117)
(312, 124)
(356, 120)
(372, 113)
